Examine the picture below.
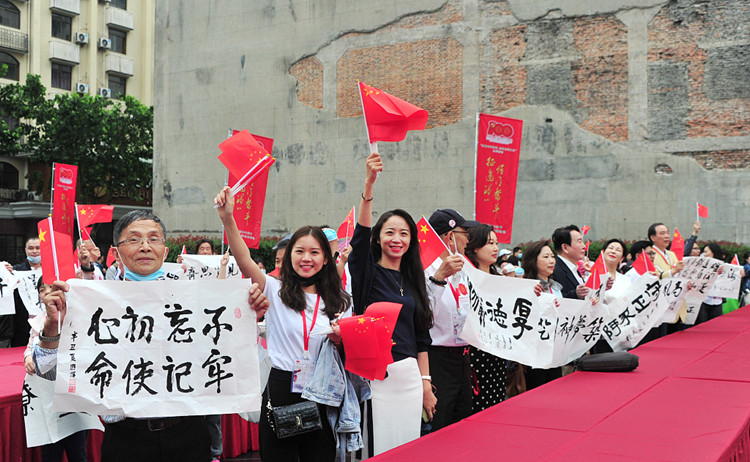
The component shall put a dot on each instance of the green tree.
(110, 141)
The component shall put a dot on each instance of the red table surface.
(238, 435)
(689, 400)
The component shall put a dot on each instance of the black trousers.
(451, 375)
(74, 447)
(131, 440)
(708, 312)
(317, 446)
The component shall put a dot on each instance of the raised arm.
(374, 166)
(241, 253)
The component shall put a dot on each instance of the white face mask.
(34, 260)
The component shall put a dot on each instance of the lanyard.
(455, 294)
(305, 332)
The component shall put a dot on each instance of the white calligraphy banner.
(641, 307)
(158, 349)
(702, 274)
(8, 283)
(27, 290)
(727, 283)
(207, 267)
(43, 425)
(508, 320)
(174, 271)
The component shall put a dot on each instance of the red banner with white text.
(249, 202)
(496, 172)
(63, 198)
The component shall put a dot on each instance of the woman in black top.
(385, 266)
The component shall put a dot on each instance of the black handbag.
(293, 419)
(620, 361)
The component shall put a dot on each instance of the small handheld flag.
(430, 244)
(678, 245)
(702, 211)
(387, 117)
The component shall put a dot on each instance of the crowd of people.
(436, 378)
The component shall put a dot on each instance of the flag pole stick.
(373, 146)
(52, 189)
(697, 213)
(54, 263)
(226, 183)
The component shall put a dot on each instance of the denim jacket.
(341, 392)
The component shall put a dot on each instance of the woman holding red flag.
(385, 266)
(307, 296)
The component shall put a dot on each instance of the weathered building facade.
(633, 109)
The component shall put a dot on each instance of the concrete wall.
(633, 109)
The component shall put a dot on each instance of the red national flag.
(368, 340)
(430, 244)
(86, 233)
(184, 250)
(111, 256)
(585, 229)
(588, 244)
(678, 245)
(346, 230)
(64, 197)
(594, 281)
(599, 265)
(702, 211)
(735, 261)
(643, 264)
(496, 173)
(91, 214)
(241, 152)
(57, 258)
(389, 118)
(250, 200)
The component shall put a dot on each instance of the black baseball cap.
(445, 220)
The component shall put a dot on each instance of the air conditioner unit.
(105, 92)
(82, 88)
(105, 43)
(81, 37)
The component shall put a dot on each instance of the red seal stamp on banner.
(237, 313)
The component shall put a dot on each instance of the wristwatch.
(43, 338)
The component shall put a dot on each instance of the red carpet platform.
(689, 400)
(239, 436)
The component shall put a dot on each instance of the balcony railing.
(13, 40)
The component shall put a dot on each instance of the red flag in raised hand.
(389, 118)
(111, 256)
(57, 258)
(599, 265)
(702, 211)
(585, 229)
(184, 250)
(678, 245)
(94, 213)
(735, 261)
(643, 264)
(368, 341)
(241, 153)
(64, 197)
(346, 230)
(594, 281)
(430, 244)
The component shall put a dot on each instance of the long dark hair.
(530, 256)
(478, 238)
(328, 283)
(411, 265)
(716, 250)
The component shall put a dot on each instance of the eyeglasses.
(153, 241)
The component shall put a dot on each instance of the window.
(61, 26)
(61, 76)
(121, 4)
(12, 66)
(117, 86)
(8, 176)
(11, 248)
(118, 39)
(9, 15)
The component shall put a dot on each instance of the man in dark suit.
(570, 249)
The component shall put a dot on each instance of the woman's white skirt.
(397, 406)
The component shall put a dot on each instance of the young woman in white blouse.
(308, 295)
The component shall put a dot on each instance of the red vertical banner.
(64, 197)
(249, 202)
(496, 172)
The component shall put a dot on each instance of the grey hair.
(131, 217)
